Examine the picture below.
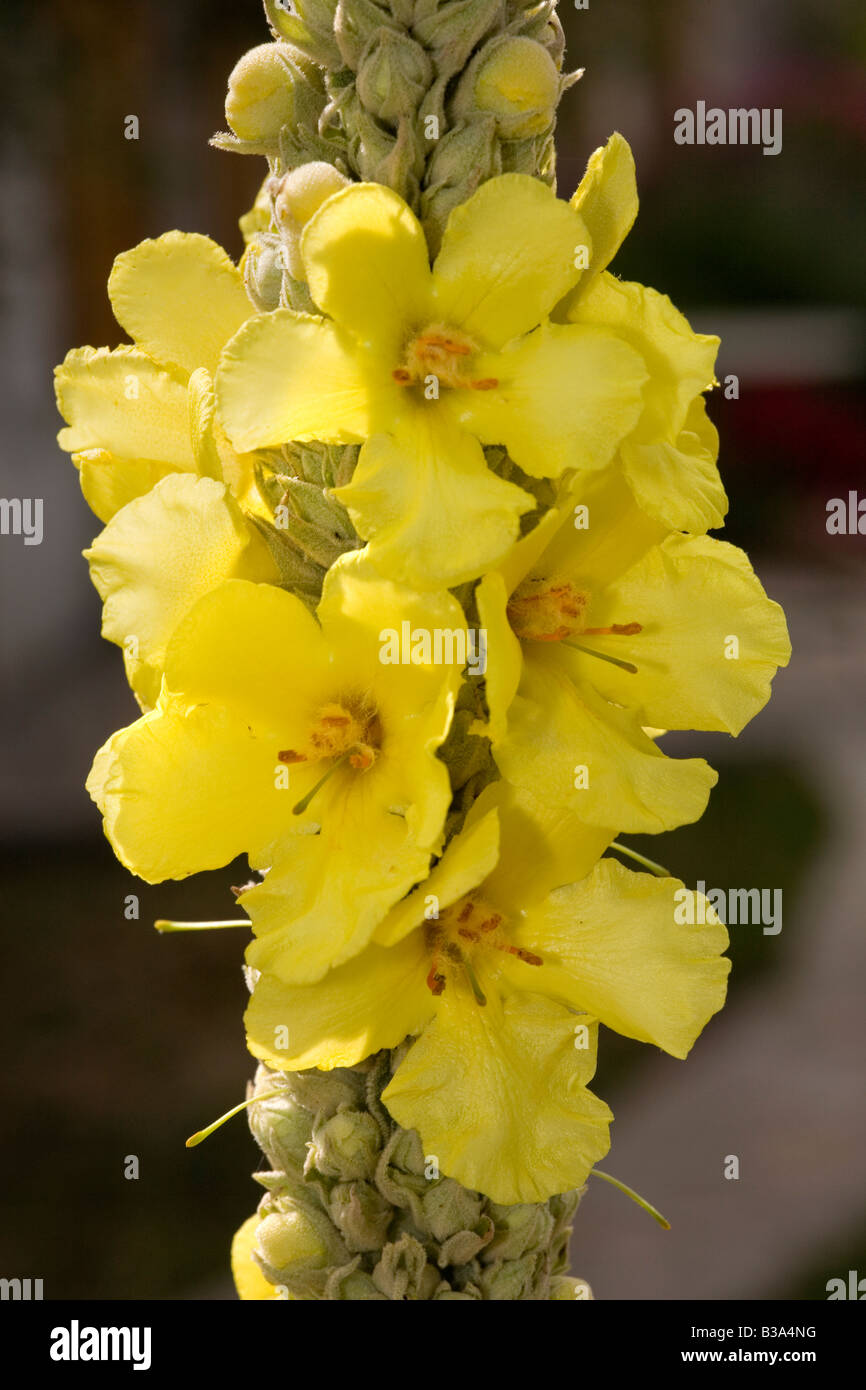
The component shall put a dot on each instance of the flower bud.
(357, 23)
(347, 1146)
(261, 266)
(249, 1280)
(393, 75)
(518, 84)
(279, 1126)
(361, 1214)
(465, 157)
(451, 30)
(303, 191)
(288, 1240)
(300, 194)
(518, 1229)
(449, 1208)
(261, 98)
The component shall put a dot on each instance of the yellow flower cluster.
(536, 465)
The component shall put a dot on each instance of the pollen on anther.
(288, 755)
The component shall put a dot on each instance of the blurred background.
(120, 1042)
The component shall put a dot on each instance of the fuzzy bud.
(393, 75)
(261, 98)
(361, 1214)
(347, 1146)
(280, 1127)
(263, 271)
(299, 195)
(518, 84)
(288, 1240)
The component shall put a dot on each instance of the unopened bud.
(280, 1127)
(518, 84)
(260, 98)
(393, 76)
(300, 194)
(288, 1238)
(347, 1146)
(261, 265)
(303, 190)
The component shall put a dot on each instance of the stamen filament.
(202, 1134)
(630, 1192)
(163, 926)
(658, 869)
(603, 656)
(304, 802)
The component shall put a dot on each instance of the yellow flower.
(595, 634)
(136, 414)
(260, 705)
(161, 553)
(669, 457)
(425, 367)
(504, 986)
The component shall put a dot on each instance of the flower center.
(340, 733)
(444, 354)
(554, 610)
(462, 933)
(547, 610)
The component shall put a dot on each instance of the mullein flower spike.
(405, 544)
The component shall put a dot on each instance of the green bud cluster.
(431, 97)
(354, 1209)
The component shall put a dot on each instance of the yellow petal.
(255, 650)
(567, 745)
(616, 534)
(504, 657)
(628, 962)
(467, 861)
(566, 395)
(678, 483)
(123, 402)
(187, 788)
(371, 1002)
(288, 376)
(498, 1095)
(606, 198)
(366, 265)
(711, 639)
(680, 361)
(108, 483)
(541, 846)
(362, 614)
(508, 255)
(326, 893)
(159, 555)
(424, 498)
(180, 297)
